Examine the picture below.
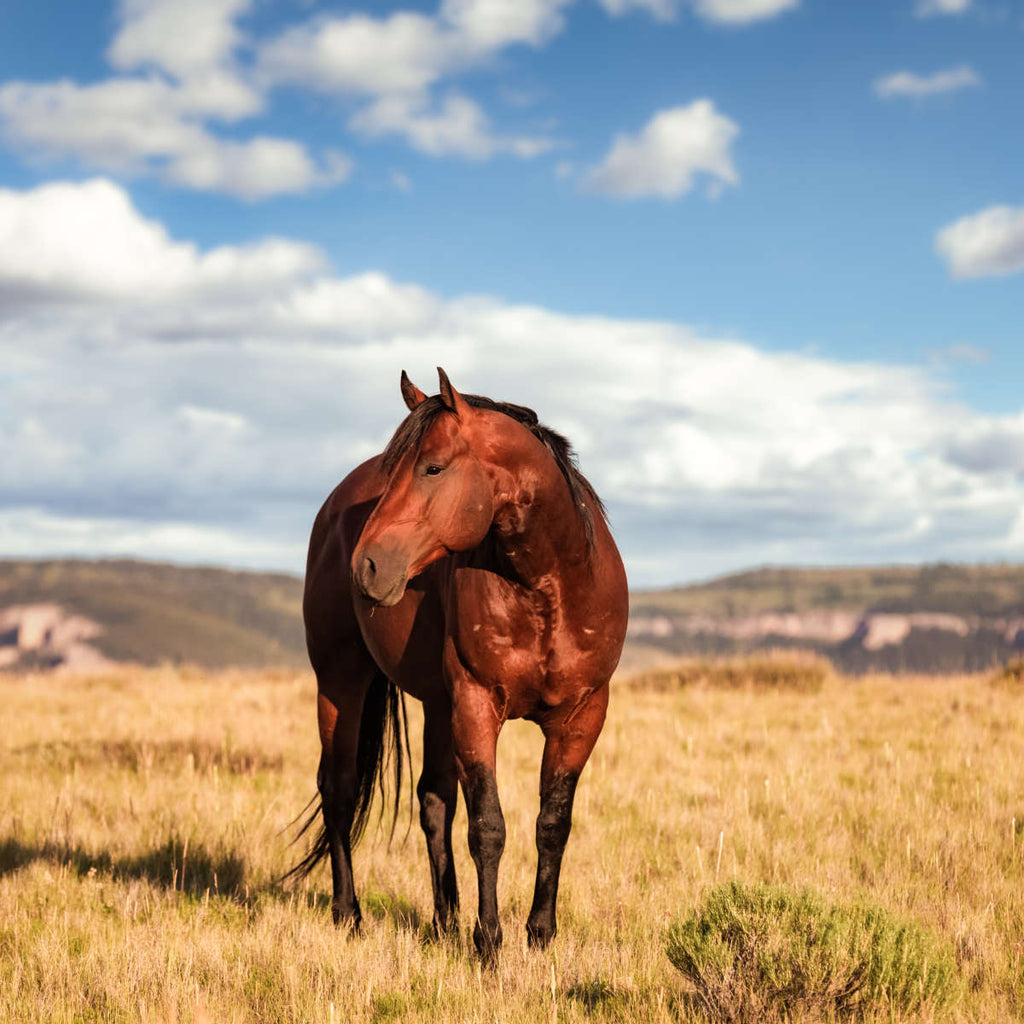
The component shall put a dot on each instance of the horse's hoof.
(443, 927)
(539, 935)
(487, 942)
(348, 919)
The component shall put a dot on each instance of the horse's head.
(439, 497)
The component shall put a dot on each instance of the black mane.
(412, 430)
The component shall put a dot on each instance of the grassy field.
(142, 811)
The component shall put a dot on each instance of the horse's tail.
(383, 742)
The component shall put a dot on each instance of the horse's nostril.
(371, 565)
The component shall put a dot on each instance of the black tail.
(383, 741)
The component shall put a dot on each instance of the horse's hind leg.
(569, 738)
(438, 792)
(340, 699)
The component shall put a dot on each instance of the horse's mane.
(411, 431)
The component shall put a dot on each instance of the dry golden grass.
(140, 838)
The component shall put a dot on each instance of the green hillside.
(153, 613)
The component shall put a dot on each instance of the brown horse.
(469, 565)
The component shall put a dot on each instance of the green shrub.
(758, 952)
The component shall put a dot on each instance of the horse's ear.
(410, 393)
(451, 398)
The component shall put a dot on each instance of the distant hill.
(152, 613)
(932, 618)
(943, 587)
(929, 618)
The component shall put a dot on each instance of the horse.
(471, 566)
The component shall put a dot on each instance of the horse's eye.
(434, 470)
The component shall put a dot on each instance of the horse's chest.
(507, 645)
(520, 655)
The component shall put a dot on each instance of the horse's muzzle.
(379, 575)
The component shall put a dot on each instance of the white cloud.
(187, 38)
(396, 61)
(362, 307)
(357, 54)
(722, 12)
(159, 123)
(988, 243)
(260, 167)
(147, 126)
(662, 10)
(406, 52)
(742, 12)
(932, 8)
(712, 452)
(160, 120)
(193, 42)
(663, 159)
(907, 83)
(457, 126)
(485, 26)
(26, 532)
(86, 241)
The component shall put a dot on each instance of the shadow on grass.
(596, 995)
(196, 871)
(174, 865)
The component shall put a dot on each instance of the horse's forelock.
(411, 431)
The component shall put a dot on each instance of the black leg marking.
(553, 825)
(338, 797)
(437, 809)
(486, 845)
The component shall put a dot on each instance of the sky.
(761, 260)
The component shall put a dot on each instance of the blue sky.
(761, 259)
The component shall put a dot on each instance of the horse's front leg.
(569, 737)
(476, 723)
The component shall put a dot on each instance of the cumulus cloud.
(199, 404)
(907, 83)
(666, 155)
(984, 244)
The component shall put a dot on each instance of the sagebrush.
(757, 952)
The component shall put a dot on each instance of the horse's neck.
(539, 530)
